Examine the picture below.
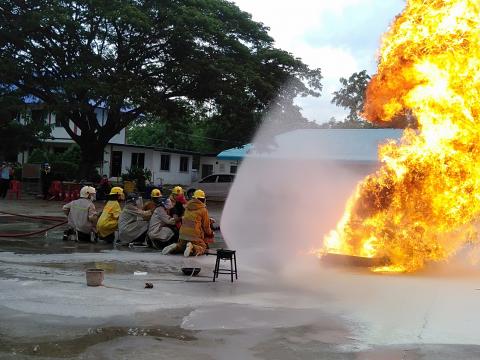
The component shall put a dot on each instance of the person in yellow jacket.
(108, 222)
(151, 205)
(195, 229)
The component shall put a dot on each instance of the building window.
(116, 164)
(138, 160)
(233, 169)
(39, 116)
(184, 161)
(165, 162)
(58, 123)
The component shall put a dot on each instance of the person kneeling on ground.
(178, 200)
(160, 232)
(133, 222)
(196, 228)
(82, 215)
(153, 203)
(108, 221)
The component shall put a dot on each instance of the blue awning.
(235, 153)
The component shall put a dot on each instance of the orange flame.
(422, 204)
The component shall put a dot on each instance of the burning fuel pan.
(353, 261)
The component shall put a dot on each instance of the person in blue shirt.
(4, 179)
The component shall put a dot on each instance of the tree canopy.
(351, 95)
(135, 57)
(16, 137)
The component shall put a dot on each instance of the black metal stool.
(226, 255)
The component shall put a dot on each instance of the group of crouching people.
(171, 224)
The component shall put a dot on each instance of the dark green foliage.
(139, 176)
(71, 154)
(38, 156)
(15, 137)
(64, 170)
(352, 96)
(64, 165)
(179, 60)
(185, 135)
(347, 124)
(134, 174)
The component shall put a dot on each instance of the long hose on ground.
(59, 222)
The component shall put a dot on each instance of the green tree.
(14, 135)
(149, 131)
(163, 57)
(351, 96)
(152, 131)
(347, 124)
(64, 165)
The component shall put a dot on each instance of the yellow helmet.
(199, 194)
(155, 193)
(177, 190)
(116, 190)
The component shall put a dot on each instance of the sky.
(339, 36)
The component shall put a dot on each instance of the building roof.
(235, 153)
(159, 149)
(325, 144)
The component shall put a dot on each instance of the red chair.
(15, 188)
(56, 190)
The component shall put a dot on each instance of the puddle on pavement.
(115, 267)
(15, 224)
(50, 242)
(64, 348)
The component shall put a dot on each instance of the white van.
(216, 186)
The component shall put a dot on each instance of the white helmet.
(87, 191)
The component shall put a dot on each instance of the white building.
(168, 166)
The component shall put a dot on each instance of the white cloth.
(159, 219)
(131, 223)
(80, 213)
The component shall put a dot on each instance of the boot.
(188, 250)
(168, 249)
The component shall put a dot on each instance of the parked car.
(216, 186)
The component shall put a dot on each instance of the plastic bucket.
(95, 277)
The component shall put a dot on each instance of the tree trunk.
(91, 158)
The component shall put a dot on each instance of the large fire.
(423, 203)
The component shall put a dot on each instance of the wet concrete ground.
(48, 312)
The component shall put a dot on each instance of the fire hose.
(60, 221)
